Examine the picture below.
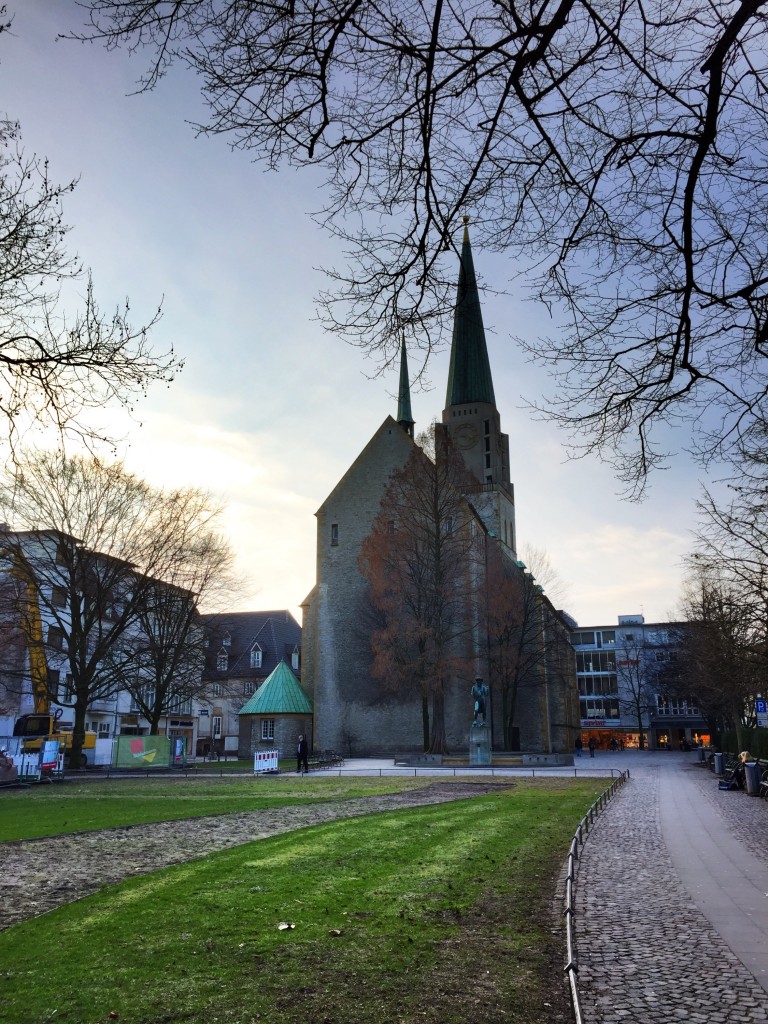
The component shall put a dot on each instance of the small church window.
(256, 656)
(267, 728)
(488, 461)
(226, 640)
(222, 661)
(295, 659)
(334, 534)
(487, 426)
(487, 444)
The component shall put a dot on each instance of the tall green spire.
(404, 415)
(469, 378)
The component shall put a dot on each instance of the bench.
(324, 759)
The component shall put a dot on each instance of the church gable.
(386, 451)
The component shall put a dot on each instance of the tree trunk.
(425, 721)
(78, 734)
(437, 742)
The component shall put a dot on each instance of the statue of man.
(479, 695)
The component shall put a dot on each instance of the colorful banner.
(142, 752)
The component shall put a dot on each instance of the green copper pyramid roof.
(469, 378)
(404, 414)
(279, 694)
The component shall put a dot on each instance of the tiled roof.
(277, 634)
(469, 376)
(279, 694)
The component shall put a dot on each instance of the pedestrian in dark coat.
(579, 746)
(301, 755)
(592, 746)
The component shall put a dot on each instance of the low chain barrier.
(579, 838)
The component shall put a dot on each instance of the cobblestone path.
(645, 954)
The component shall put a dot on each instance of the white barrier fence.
(265, 761)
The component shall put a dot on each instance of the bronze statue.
(479, 695)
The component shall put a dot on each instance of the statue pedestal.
(479, 745)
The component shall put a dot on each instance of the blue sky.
(270, 410)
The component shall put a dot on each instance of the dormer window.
(222, 661)
(295, 659)
(256, 656)
(226, 640)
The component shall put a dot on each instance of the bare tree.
(636, 690)
(94, 546)
(515, 635)
(169, 646)
(621, 147)
(724, 648)
(54, 367)
(539, 564)
(421, 562)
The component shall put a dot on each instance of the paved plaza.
(672, 899)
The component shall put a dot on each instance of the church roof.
(404, 414)
(469, 377)
(279, 694)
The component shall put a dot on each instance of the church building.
(353, 712)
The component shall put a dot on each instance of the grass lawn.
(80, 806)
(436, 915)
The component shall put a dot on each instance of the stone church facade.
(353, 712)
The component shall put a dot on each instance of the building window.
(487, 426)
(487, 461)
(66, 692)
(249, 689)
(226, 640)
(256, 656)
(334, 534)
(58, 597)
(583, 639)
(222, 661)
(295, 659)
(267, 728)
(216, 727)
(103, 730)
(595, 661)
(55, 638)
(218, 689)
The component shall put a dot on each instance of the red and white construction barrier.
(265, 761)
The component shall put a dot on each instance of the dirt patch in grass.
(42, 874)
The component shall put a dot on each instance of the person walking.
(301, 755)
(592, 746)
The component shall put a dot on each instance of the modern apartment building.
(626, 676)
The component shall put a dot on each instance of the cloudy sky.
(270, 410)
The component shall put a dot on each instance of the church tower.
(470, 415)
(404, 414)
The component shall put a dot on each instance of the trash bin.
(718, 764)
(752, 778)
(702, 754)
